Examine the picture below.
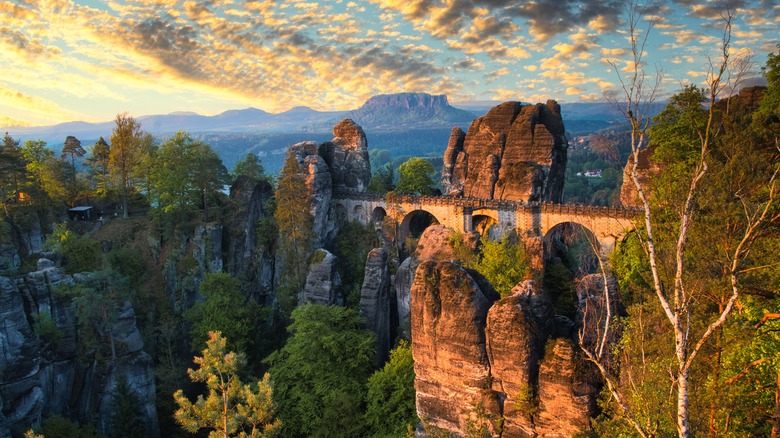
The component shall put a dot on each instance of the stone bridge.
(413, 214)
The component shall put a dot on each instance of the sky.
(89, 60)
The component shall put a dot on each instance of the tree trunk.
(124, 204)
(683, 430)
(776, 416)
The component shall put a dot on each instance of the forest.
(692, 347)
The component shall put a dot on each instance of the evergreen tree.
(251, 168)
(392, 408)
(320, 374)
(98, 161)
(72, 147)
(229, 408)
(12, 172)
(127, 419)
(224, 310)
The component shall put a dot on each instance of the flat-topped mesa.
(514, 152)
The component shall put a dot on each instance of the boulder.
(514, 152)
(375, 301)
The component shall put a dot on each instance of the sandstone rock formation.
(341, 164)
(646, 169)
(515, 152)
(40, 376)
(323, 280)
(248, 255)
(480, 361)
(449, 313)
(567, 399)
(514, 345)
(435, 244)
(412, 110)
(375, 301)
(347, 157)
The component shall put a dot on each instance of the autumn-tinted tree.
(698, 242)
(320, 374)
(126, 156)
(415, 176)
(49, 177)
(294, 222)
(229, 407)
(12, 171)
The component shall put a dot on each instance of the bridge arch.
(378, 215)
(341, 212)
(415, 222)
(359, 214)
(574, 241)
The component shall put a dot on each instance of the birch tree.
(666, 232)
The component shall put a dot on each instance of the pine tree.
(229, 408)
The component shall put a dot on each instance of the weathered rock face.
(449, 313)
(646, 169)
(434, 244)
(347, 157)
(515, 152)
(341, 164)
(43, 376)
(248, 255)
(319, 183)
(323, 280)
(514, 348)
(375, 301)
(567, 400)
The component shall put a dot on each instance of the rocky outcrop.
(435, 244)
(248, 256)
(514, 345)
(323, 280)
(567, 399)
(453, 380)
(347, 157)
(375, 301)
(341, 164)
(43, 373)
(515, 152)
(646, 169)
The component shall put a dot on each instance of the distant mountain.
(409, 111)
(382, 113)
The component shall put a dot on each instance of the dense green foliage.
(391, 410)
(225, 310)
(229, 408)
(186, 175)
(353, 243)
(320, 374)
(415, 176)
(503, 263)
(81, 253)
(127, 420)
(251, 168)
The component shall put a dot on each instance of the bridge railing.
(497, 204)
